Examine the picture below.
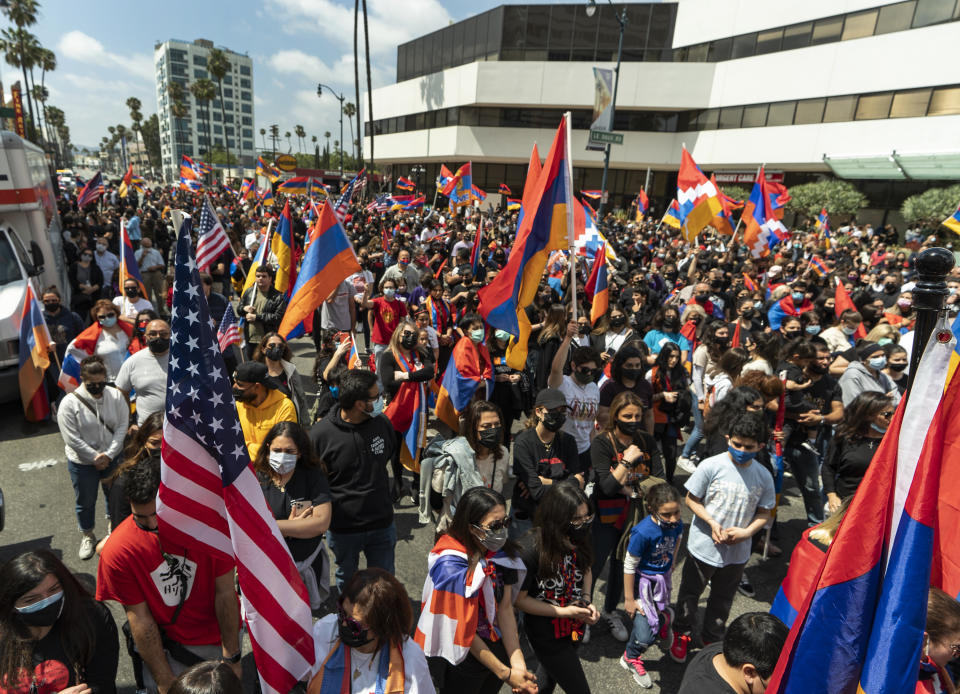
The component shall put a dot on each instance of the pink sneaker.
(679, 646)
(635, 667)
(665, 632)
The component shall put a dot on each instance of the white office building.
(867, 90)
(205, 128)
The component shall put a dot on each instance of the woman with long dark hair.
(555, 595)
(365, 648)
(475, 559)
(142, 446)
(626, 373)
(54, 637)
(734, 404)
(705, 357)
(274, 351)
(858, 436)
(294, 482)
(671, 403)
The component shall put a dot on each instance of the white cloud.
(86, 49)
(298, 62)
(340, 74)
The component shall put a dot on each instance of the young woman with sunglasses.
(365, 648)
(475, 560)
(555, 595)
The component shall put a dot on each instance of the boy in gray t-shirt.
(731, 496)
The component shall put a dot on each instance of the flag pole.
(933, 265)
(568, 175)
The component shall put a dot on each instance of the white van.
(31, 246)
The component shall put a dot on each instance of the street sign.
(286, 162)
(600, 136)
(7, 112)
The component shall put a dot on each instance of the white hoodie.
(84, 437)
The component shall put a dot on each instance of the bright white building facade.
(231, 129)
(863, 89)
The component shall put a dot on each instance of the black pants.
(668, 444)
(723, 587)
(559, 665)
(472, 677)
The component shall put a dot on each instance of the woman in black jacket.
(86, 281)
(403, 368)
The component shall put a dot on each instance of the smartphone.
(298, 505)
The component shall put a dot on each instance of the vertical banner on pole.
(18, 121)
(571, 232)
(602, 106)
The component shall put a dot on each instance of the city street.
(39, 497)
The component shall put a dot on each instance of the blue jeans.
(641, 636)
(377, 546)
(805, 465)
(696, 435)
(86, 479)
(606, 537)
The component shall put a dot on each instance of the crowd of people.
(576, 468)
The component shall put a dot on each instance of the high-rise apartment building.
(205, 127)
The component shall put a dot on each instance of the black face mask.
(45, 616)
(817, 368)
(274, 353)
(132, 293)
(583, 329)
(579, 536)
(896, 367)
(670, 276)
(628, 428)
(618, 321)
(490, 438)
(408, 341)
(158, 345)
(243, 395)
(52, 307)
(890, 288)
(584, 377)
(701, 298)
(95, 388)
(671, 325)
(632, 374)
(553, 421)
(749, 313)
(791, 334)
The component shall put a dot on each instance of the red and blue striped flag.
(469, 367)
(35, 343)
(406, 184)
(504, 189)
(91, 191)
(596, 288)
(228, 333)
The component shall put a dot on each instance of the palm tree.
(356, 70)
(40, 95)
(326, 152)
(133, 103)
(301, 133)
(219, 65)
(274, 136)
(289, 145)
(263, 137)
(121, 137)
(366, 52)
(204, 91)
(48, 63)
(21, 13)
(349, 110)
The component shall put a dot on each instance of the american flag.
(209, 497)
(381, 203)
(343, 202)
(211, 238)
(91, 191)
(228, 333)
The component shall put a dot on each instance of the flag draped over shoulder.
(697, 197)
(407, 412)
(210, 500)
(544, 227)
(81, 347)
(35, 342)
(328, 261)
(861, 624)
(468, 368)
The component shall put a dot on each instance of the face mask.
(243, 395)
(377, 407)
(95, 388)
(671, 325)
(905, 304)
(579, 536)
(897, 367)
(748, 313)
(52, 307)
(890, 288)
(877, 428)
(813, 329)
(131, 292)
(797, 296)
(108, 322)
(791, 334)
(632, 374)
(477, 335)
(884, 341)
(282, 462)
(618, 321)
(628, 428)
(494, 540)
(86, 257)
(335, 392)
(583, 378)
(583, 329)
(700, 298)
(408, 341)
(274, 352)
(847, 330)
(877, 362)
(553, 421)
(101, 248)
(818, 368)
(403, 263)
(741, 457)
(389, 293)
(158, 345)
(490, 438)
(43, 613)
(353, 638)
(669, 525)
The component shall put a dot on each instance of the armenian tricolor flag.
(406, 184)
(129, 269)
(596, 288)
(35, 342)
(818, 266)
(407, 412)
(672, 216)
(282, 248)
(469, 367)
(592, 194)
(298, 185)
(504, 189)
(643, 204)
(749, 283)
(953, 221)
(268, 170)
(513, 204)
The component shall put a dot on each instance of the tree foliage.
(932, 206)
(840, 198)
(736, 192)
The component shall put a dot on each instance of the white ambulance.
(31, 246)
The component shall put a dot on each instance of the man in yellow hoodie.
(259, 404)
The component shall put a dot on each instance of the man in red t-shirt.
(385, 314)
(180, 602)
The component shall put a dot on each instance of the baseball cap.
(251, 372)
(550, 398)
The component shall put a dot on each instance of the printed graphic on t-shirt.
(377, 445)
(582, 410)
(663, 550)
(167, 577)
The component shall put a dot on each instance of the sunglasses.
(581, 522)
(501, 524)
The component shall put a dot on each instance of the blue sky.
(105, 52)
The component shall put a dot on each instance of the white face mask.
(282, 462)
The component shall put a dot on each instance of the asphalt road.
(39, 498)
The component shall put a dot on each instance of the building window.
(698, 53)
(781, 113)
(769, 41)
(247, 120)
(178, 70)
(839, 109)
(178, 55)
(720, 50)
(896, 17)
(247, 132)
(910, 104)
(744, 45)
(730, 117)
(227, 79)
(244, 69)
(246, 96)
(245, 108)
(873, 106)
(933, 12)
(797, 36)
(859, 25)
(200, 60)
(809, 111)
(755, 116)
(244, 84)
(217, 130)
(248, 144)
(944, 102)
(228, 93)
(228, 105)
(827, 30)
(199, 74)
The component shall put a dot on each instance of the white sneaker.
(88, 545)
(617, 629)
(686, 465)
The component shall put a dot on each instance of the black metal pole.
(622, 19)
(933, 265)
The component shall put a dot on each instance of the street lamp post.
(417, 171)
(622, 20)
(340, 98)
